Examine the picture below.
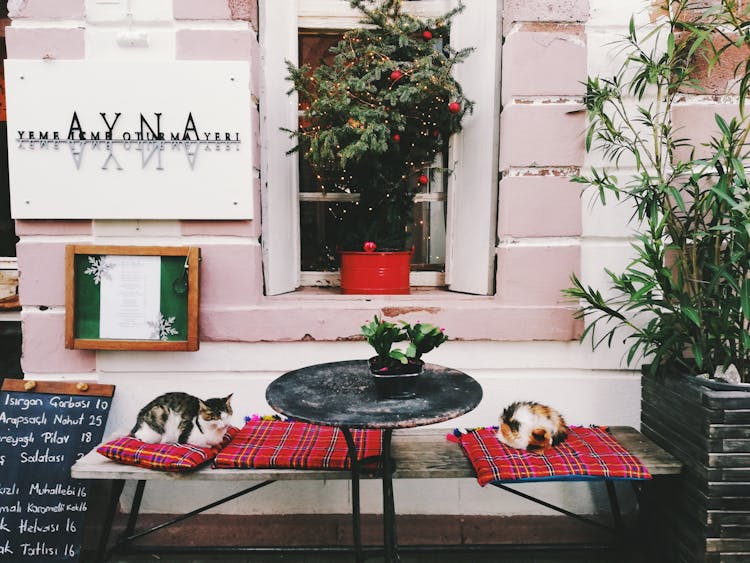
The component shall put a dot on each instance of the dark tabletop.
(343, 394)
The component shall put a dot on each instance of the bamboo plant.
(684, 300)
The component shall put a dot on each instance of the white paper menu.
(130, 298)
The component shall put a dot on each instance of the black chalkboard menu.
(45, 427)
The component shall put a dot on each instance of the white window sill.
(418, 294)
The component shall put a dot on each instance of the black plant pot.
(396, 383)
(704, 514)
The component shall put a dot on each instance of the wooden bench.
(420, 453)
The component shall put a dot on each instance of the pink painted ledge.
(245, 284)
(283, 320)
(538, 135)
(44, 345)
(46, 9)
(41, 267)
(45, 43)
(697, 123)
(216, 10)
(534, 276)
(29, 227)
(544, 11)
(539, 206)
(219, 228)
(544, 64)
(216, 45)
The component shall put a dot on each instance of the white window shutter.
(279, 174)
(473, 186)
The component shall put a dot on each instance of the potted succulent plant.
(373, 122)
(683, 303)
(395, 370)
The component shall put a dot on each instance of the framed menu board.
(45, 427)
(131, 297)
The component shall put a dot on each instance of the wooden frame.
(82, 311)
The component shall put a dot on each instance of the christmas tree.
(375, 118)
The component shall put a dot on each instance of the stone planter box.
(704, 514)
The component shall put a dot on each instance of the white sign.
(119, 140)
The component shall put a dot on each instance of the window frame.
(472, 213)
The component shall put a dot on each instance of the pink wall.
(544, 63)
(541, 146)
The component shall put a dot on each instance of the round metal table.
(343, 394)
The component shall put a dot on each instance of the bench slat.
(656, 460)
(418, 453)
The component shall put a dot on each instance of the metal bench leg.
(135, 507)
(614, 506)
(109, 518)
(389, 510)
(133, 516)
(355, 469)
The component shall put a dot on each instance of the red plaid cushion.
(167, 457)
(588, 453)
(296, 445)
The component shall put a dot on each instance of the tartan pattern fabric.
(165, 457)
(290, 444)
(589, 453)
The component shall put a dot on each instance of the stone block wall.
(544, 64)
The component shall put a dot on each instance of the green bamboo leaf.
(739, 169)
(697, 355)
(692, 315)
(631, 353)
(590, 136)
(721, 193)
(676, 194)
(745, 298)
(721, 122)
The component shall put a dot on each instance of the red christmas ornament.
(427, 34)
(422, 180)
(396, 74)
(397, 137)
(435, 133)
(454, 107)
(369, 246)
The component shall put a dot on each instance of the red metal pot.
(375, 272)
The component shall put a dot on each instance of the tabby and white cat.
(527, 425)
(182, 418)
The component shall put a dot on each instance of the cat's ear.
(201, 405)
(508, 412)
(228, 398)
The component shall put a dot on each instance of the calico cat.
(179, 417)
(530, 426)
